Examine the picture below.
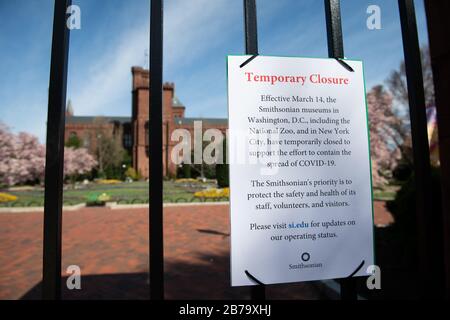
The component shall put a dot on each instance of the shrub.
(403, 208)
(131, 173)
(184, 171)
(96, 199)
(402, 171)
(114, 173)
(222, 175)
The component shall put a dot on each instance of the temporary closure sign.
(300, 177)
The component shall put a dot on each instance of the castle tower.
(69, 109)
(140, 124)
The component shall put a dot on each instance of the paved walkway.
(111, 247)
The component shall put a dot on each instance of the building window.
(127, 140)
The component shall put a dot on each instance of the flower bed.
(6, 197)
(213, 193)
(108, 181)
(187, 180)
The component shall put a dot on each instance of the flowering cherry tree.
(22, 158)
(385, 133)
(77, 161)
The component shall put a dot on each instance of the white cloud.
(107, 80)
(193, 29)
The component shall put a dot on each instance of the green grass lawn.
(137, 192)
(123, 193)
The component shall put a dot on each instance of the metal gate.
(55, 143)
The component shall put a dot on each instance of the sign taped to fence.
(300, 175)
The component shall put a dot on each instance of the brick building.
(133, 131)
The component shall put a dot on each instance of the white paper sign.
(300, 177)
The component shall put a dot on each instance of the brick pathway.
(111, 247)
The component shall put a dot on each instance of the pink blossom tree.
(385, 133)
(22, 159)
(77, 161)
(8, 161)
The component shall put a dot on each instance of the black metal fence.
(55, 147)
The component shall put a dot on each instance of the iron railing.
(55, 138)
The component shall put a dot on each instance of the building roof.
(122, 120)
(212, 121)
(176, 102)
(92, 119)
(69, 109)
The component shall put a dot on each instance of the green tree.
(397, 80)
(403, 208)
(397, 85)
(109, 150)
(131, 173)
(74, 142)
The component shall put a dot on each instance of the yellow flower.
(5, 197)
(213, 193)
(108, 181)
(103, 197)
(186, 180)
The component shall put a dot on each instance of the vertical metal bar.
(334, 29)
(251, 28)
(429, 273)
(155, 155)
(438, 34)
(348, 289)
(336, 50)
(54, 159)
(257, 292)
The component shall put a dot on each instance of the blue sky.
(199, 34)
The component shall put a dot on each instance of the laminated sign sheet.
(300, 176)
